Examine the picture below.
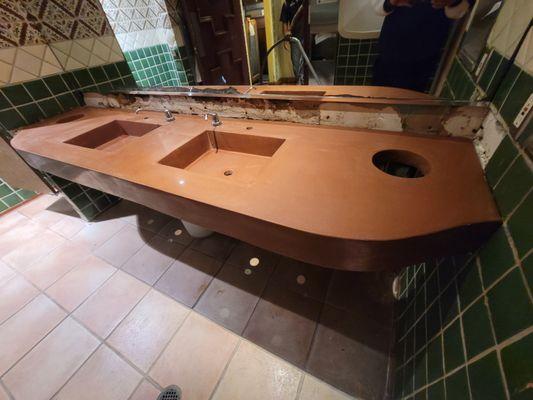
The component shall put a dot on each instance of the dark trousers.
(417, 75)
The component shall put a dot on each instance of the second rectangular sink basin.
(112, 135)
(225, 154)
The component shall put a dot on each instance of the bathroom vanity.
(319, 194)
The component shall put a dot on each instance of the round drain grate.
(171, 392)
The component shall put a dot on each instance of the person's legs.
(297, 63)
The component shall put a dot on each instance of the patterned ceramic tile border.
(355, 61)
(140, 39)
(54, 20)
(74, 54)
(156, 66)
(136, 15)
(18, 64)
(10, 197)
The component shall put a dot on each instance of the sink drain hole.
(401, 163)
(228, 172)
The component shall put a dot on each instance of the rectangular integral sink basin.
(224, 154)
(112, 135)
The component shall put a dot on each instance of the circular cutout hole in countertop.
(70, 118)
(401, 163)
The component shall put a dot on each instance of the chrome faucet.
(138, 109)
(169, 116)
(214, 116)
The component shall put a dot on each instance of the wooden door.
(216, 29)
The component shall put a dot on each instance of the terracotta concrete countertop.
(320, 184)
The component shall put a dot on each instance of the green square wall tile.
(421, 395)
(420, 370)
(517, 97)
(486, 379)
(31, 113)
(490, 70)
(527, 266)
(502, 158)
(453, 347)
(98, 74)
(495, 257)
(37, 89)
(408, 378)
(505, 87)
(12, 200)
(123, 68)
(3, 207)
(520, 226)
(420, 334)
(436, 391)
(457, 386)
(5, 190)
(70, 80)
(449, 305)
(516, 360)
(111, 71)
(477, 329)
(56, 84)
(433, 321)
(83, 77)
(50, 107)
(67, 101)
(468, 284)
(514, 184)
(4, 103)
(11, 119)
(510, 307)
(17, 94)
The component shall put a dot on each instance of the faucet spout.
(215, 120)
(169, 116)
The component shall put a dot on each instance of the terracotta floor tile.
(350, 352)
(10, 220)
(305, 279)
(74, 287)
(145, 391)
(18, 235)
(148, 328)
(106, 307)
(284, 322)
(195, 358)
(32, 250)
(232, 296)
(15, 294)
(36, 205)
(188, 277)
(97, 233)
(105, 376)
(68, 226)
(117, 250)
(3, 394)
(255, 374)
(176, 231)
(152, 220)
(56, 264)
(351, 289)
(54, 213)
(6, 273)
(21, 332)
(153, 259)
(314, 389)
(49, 364)
(244, 255)
(217, 246)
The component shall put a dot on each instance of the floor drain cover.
(170, 393)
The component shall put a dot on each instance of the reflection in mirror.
(422, 45)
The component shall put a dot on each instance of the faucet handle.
(168, 115)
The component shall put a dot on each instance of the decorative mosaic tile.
(15, 27)
(10, 196)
